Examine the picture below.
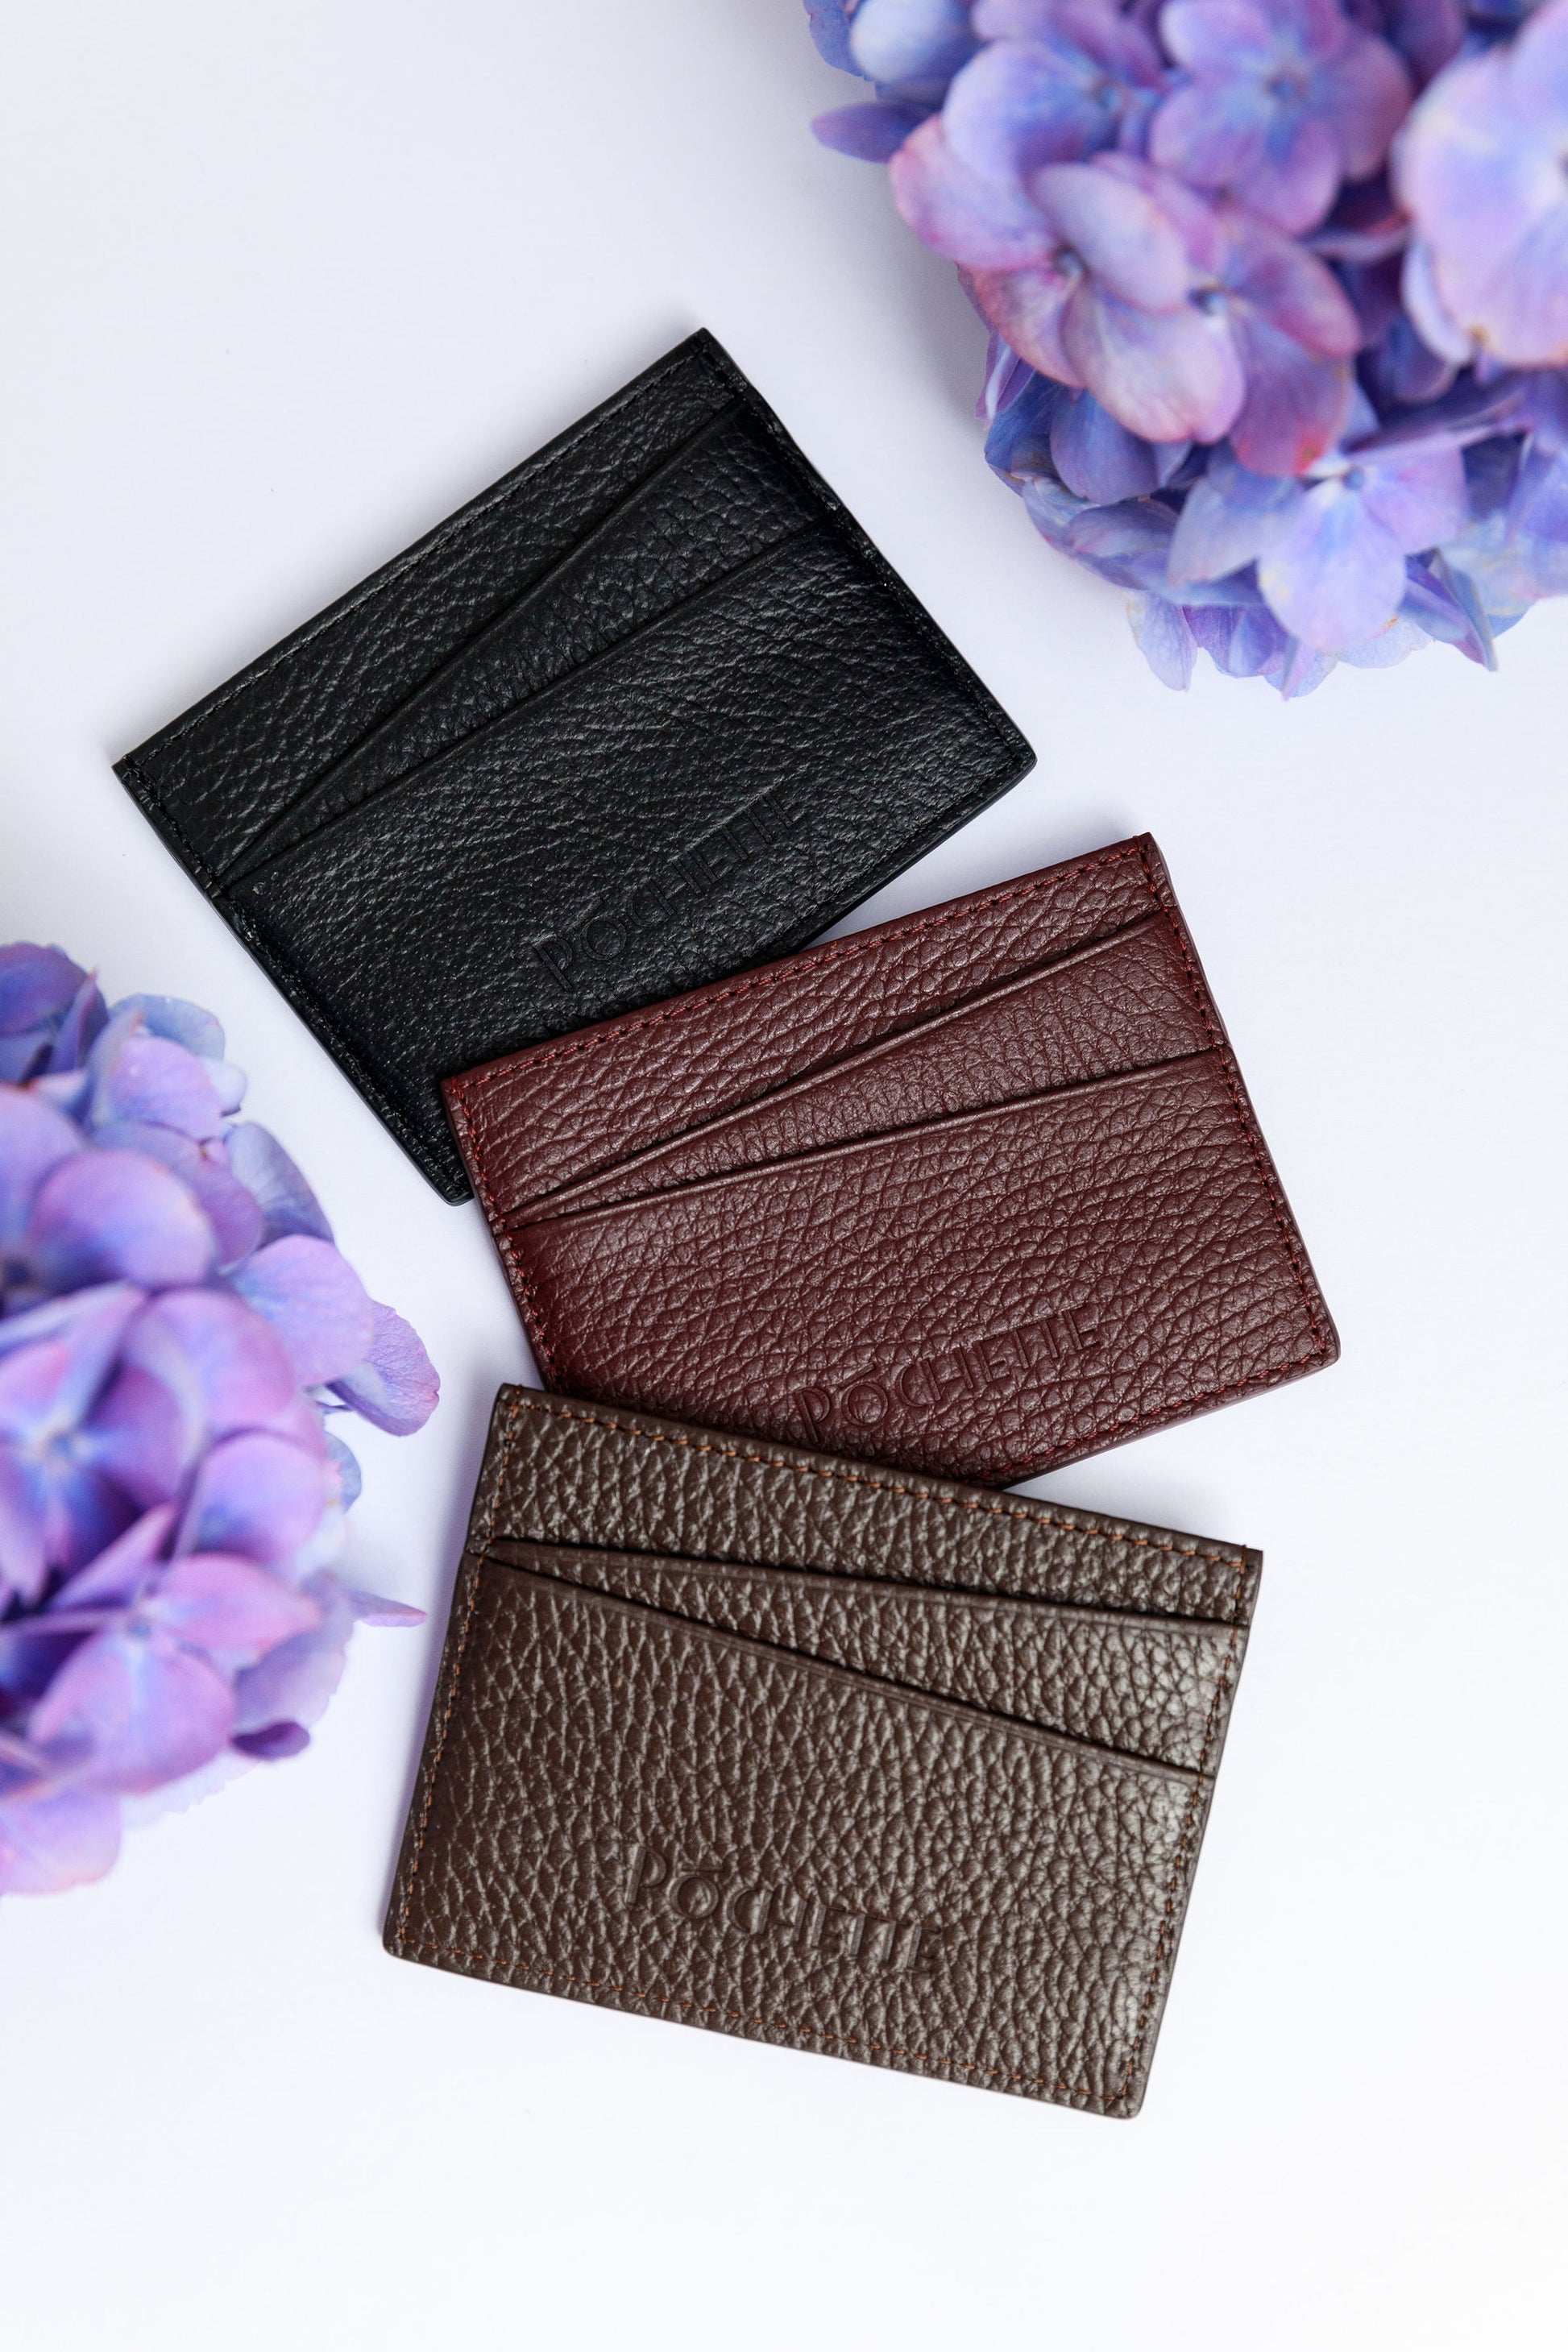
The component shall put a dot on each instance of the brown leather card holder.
(977, 1193)
(751, 1738)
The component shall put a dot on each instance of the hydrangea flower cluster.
(1278, 292)
(175, 1329)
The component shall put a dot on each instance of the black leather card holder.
(650, 710)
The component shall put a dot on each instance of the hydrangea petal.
(84, 1022)
(33, 1138)
(133, 1709)
(23, 1552)
(257, 1494)
(829, 21)
(395, 1385)
(229, 1608)
(1161, 633)
(1336, 577)
(1295, 180)
(120, 1571)
(1027, 306)
(1228, 520)
(1167, 375)
(294, 1682)
(1019, 106)
(1366, 94)
(957, 211)
(1297, 405)
(1419, 498)
(1121, 231)
(226, 1366)
(1211, 138)
(57, 1355)
(314, 1299)
(190, 1025)
(152, 1080)
(38, 985)
(871, 133)
(52, 1839)
(106, 1214)
(286, 1201)
(911, 41)
(1215, 36)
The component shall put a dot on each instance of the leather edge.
(452, 1183)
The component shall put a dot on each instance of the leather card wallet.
(977, 1191)
(649, 709)
(752, 1737)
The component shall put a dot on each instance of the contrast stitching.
(1033, 1513)
(816, 959)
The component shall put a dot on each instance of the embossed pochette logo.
(927, 1382)
(814, 1926)
(689, 874)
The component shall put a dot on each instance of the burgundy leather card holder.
(751, 1738)
(977, 1193)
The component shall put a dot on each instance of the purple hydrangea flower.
(1330, 549)
(1279, 101)
(1480, 168)
(1185, 319)
(176, 1325)
(1282, 359)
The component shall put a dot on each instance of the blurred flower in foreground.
(177, 1328)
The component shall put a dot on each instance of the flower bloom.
(1186, 320)
(1281, 100)
(1480, 168)
(176, 1324)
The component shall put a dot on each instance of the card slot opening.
(1217, 1629)
(878, 1138)
(875, 1686)
(835, 1068)
(519, 712)
(474, 648)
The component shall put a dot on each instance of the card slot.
(984, 1298)
(1119, 1004)
(1133, 1685)
(488, 668)
(631, 1810)
(855, 1150)
(520, 714)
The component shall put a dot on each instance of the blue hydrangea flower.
(1480, 168)
(1279, 101)
(176, 1327)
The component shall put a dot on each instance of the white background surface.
(283, 283)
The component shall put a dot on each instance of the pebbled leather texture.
(649, 709)
(977, 1193)
(936, 1820)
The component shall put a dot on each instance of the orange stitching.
(1036, 1513)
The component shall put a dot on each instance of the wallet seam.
(288, 983)
(800, 2034)
(1038, 1515)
